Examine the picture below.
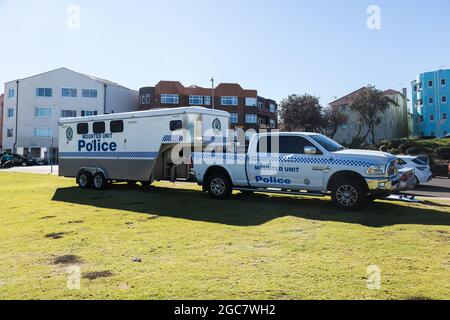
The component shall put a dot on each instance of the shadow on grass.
(245, 210)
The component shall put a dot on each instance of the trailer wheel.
(348, 194)
(99, 181)
(219, 186)
(84, 180)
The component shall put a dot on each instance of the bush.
(443, 152)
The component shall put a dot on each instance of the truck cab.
(299, 163)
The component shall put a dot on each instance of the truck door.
(302, 167)
(263, 165)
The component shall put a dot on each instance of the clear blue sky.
(276, 46)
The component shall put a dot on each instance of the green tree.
(332, 119)
(370, 105)
(301, 112)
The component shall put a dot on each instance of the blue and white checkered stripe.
(110, 155)
(172, 138)
(282, 159)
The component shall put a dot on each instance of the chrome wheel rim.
(217, 187)
(83, 180)
(347, 195)
(98, 181)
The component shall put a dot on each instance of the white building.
(33, 105)
(394, 120)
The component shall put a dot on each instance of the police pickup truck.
(299, 164)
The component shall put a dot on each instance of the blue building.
(431, 103)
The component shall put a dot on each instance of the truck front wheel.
(348, 194)
(219, 186)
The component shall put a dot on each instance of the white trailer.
(136, 146)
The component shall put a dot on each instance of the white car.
(419, 164)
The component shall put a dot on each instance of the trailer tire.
(84, 180)
(219, 186)
(348, 194)
(99, 182)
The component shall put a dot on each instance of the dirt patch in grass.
(47, 217)
(75, 222)
(68, 260)
(56, 235)
(97, 274)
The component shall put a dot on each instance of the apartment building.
(33, 105)
(394, 121)
(431, 104)
(248, 110)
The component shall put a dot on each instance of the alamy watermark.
(73, 277)
(373, 277)
(73, 21)
(374, 19)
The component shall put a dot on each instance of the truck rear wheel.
(348, 194)
(84, 180)
(99, 181)
(219, 186)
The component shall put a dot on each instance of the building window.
(170, 99)
(251, 118)
(85, 113)
(43, 132)
(421, 118)
(89, 93)
(143, 99)
(229, 101)
(444, 99)
(431, 117)
(42, 112)
(69, 92)
(272, 124)
(444, 116)
(234, 118)
(443, 82)
(260, 104)
(10, 112)
(430, 100)
(68, 113)
(11, 93)
(415, 88)
(196, 100)
(430, 84)
(420, 102)
(419, 87)
(147, 98)
(272, 108)
(207, 100)
(251, 102)
(9, 133)
(44, 92)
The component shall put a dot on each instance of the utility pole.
(212, 90)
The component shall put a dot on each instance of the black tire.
(348, 194)
(99, 182)
(84, 180)
(146, 184)
(219, 186)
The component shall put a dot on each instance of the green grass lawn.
(192, 247)
(433, 143)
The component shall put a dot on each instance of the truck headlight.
(378, 170)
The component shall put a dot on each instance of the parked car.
(23, 161)
(407, 179)
(421, 166)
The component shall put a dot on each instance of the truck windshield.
(327, 143)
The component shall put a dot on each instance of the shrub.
(443, 152)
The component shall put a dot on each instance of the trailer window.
(116, 126)
(82, 128)
(176, 125)
(99, 127)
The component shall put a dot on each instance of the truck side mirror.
(310, 150)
